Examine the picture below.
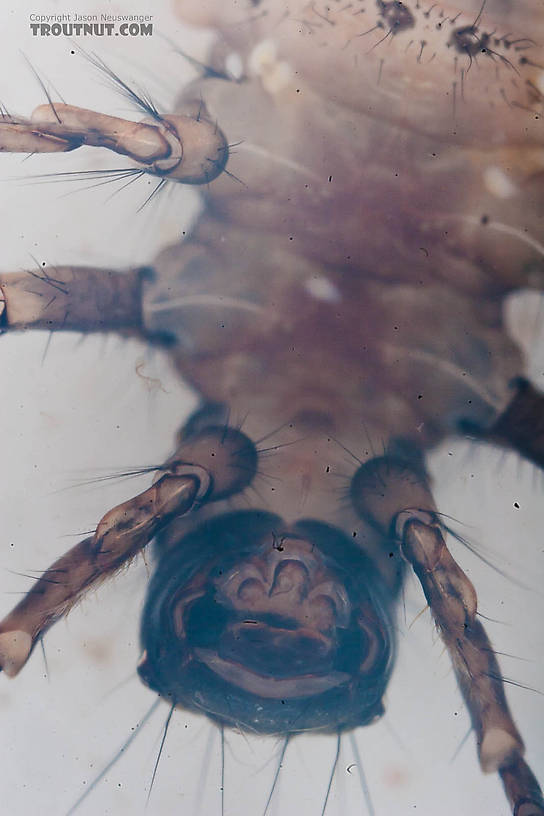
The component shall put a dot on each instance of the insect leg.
(120, 535)
(394, 496)
(73, 298)
(210, 465)
(47, 132)
(521, 425)
(190, 149)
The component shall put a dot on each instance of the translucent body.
(365, 303)
(336, 386)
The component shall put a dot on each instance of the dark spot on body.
(397, 15)
(467, 40)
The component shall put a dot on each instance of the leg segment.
(189, 149)
(213, 464)
(120, 535)
(73, 298)
(521, 426)
(61, 128)
(395, 497)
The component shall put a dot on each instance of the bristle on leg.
(72, 298)
(120, 535)
(184, 148)
(395, 497)
(207, 466)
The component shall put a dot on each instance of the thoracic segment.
(435, 69)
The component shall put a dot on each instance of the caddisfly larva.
(339, 310)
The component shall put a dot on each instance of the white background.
(78, 409)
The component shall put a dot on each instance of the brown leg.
(120, 535)
(73, 298)
(189, 148)
(521, 788)
(395, 497)
(521, 426)
(207, 466)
